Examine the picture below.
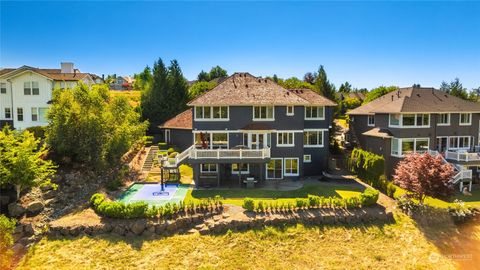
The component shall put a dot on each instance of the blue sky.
(365, 43)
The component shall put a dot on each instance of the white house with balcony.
(26, 92)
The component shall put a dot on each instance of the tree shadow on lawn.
(458, 242)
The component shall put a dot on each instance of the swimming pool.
(152, 193)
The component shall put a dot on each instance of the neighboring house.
(26, 92)
(415, 120)
(122, 83)
(252, 127)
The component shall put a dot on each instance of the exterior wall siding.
(241, 116)
(382, 146)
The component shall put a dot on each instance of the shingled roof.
(415, 100)
(245, 89)
(183, 120)
(52, 73)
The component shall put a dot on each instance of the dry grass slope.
(391, 246)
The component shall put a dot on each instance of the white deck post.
(470, 186)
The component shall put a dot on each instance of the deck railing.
(462, 156)
(229, 153)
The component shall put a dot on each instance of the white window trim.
(400, 124)
(458, 142)
(322, 132)
(314, 118)
(1, 84)
(285, 167)
(368, 120)
(263, 119)
(309, 160)
(281, 171)
(292, 112)
(167, 135)
(464, 124)
(400, 141)
(202, 171)
(242, 172)
(210, 118)
(285, 144)
(210, 134)
(440, 117)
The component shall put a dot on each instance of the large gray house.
(250, 127)
(417, 120)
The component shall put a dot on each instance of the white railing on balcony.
(229, 153)
(462, 156)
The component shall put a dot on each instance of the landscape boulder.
(34, 208)
(139, 226)
(16, 209)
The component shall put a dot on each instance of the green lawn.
(473, 200)
(399, 245)
(236, 196)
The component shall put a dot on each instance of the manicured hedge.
(115, 209)
(370, 168)
(368, 198)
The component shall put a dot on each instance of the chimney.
(67, 67)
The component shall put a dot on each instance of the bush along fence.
(370, 168)
(113, 209)
(368, 198)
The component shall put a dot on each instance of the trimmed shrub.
(248, 204)
(97, 199)
(162, 146)
(369, 197)
(172, 155)
(170, 150)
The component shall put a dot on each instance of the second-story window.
(371, 120)
(465, 119)
(209, 113)
(3, 88)
(443, 119)
(315, 113)
(263, 113)
(409, 120)
(313, 138)
(31, 88)
(285, 139)
(290, 110)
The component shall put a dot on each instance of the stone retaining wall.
(218, 222)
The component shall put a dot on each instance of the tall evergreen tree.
(455, 88)
(203, 76)
(153, 98)
(323, 85)
(345, 88)
(177, 90)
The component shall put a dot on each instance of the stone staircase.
(152, 154)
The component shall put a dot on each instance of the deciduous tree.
(199, 88)
(424, 175)
(378, 92)
(23, 162)
(90, 127)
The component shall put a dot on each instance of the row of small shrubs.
(368, 198)
(370, 168)
(115, 209)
